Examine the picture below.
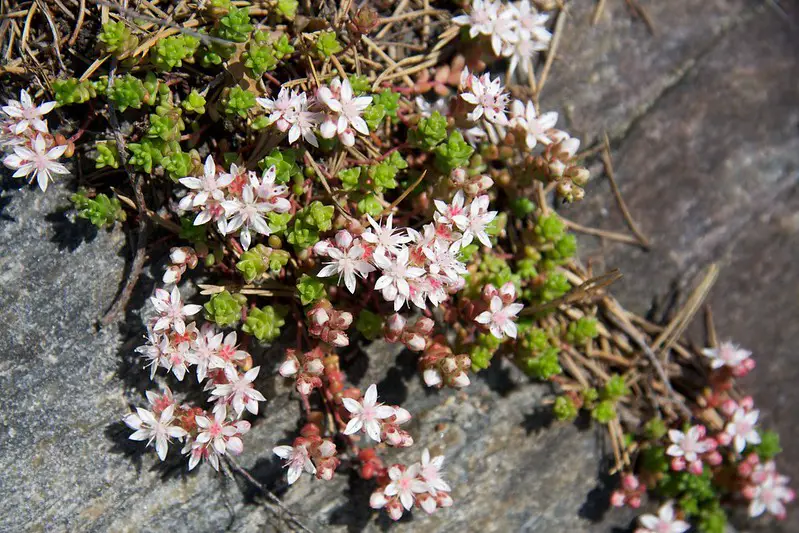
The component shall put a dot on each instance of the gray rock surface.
(704, 118)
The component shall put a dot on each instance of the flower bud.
(461, 380)
(678, 464)
(173, 274)
(321, 247)
(304, 386)
(401, 415)
(314, 366)
(630, 482)
(327, 448)
(394, 508)
(318, 316)
(507, 293)
(377, 500)
(714, 458)
(343, 239)
(695, 468)
(747, 403)
(289, 367)
(449, 365)
(432, 378)
(617, 499)
(485, 183)
(723, 439)
(343, 320)
(178, 256)
(396, 323)
(443, 499)
(729, 407)
(424, 326)
(427, 503)
(338, 339)
(458, 176)
(579, 175)
(634, 502)
(489, 291)
(414, 341)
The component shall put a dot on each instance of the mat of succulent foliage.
(385, 171)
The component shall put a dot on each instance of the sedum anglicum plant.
(330, 204)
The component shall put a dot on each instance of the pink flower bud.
(396, 323)
(728, 407)
(748, 492)
(748, 403)
(630, 482)
(443, 499)
(461, 380)
(713, 458)
(507, 293)
(427, 503)
(318, 316)
(321, 247)
(414, 342)
(344, 320)
(634, 502)
(304, 386)
(431, 377)
(678, 464)
(485, 183)
(314, 366)
(489, 291)
(327, 448)
(343, 239)
(377, 500)
(394, 508)
(449, 365)
(178, 256)
(392, 435)
(745, 469)
(458, 176)
(424, 326)
(617, 499)
(173, 274)
(338, 339)
(289, 367)
(325, 471)
(401, 415)
(724, 439)
(695, 468)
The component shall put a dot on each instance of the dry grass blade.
(581, 292)
(605, 234)
(676, 327)
(598, 10)
(625, 211)
(405, 193)
(320, 173)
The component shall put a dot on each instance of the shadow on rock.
(393, 388)
(354, 514)
(118, 433)
(498, 377)
(597, 502)
(541, 418)
(68, 234)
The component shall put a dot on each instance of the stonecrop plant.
(319, 188)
